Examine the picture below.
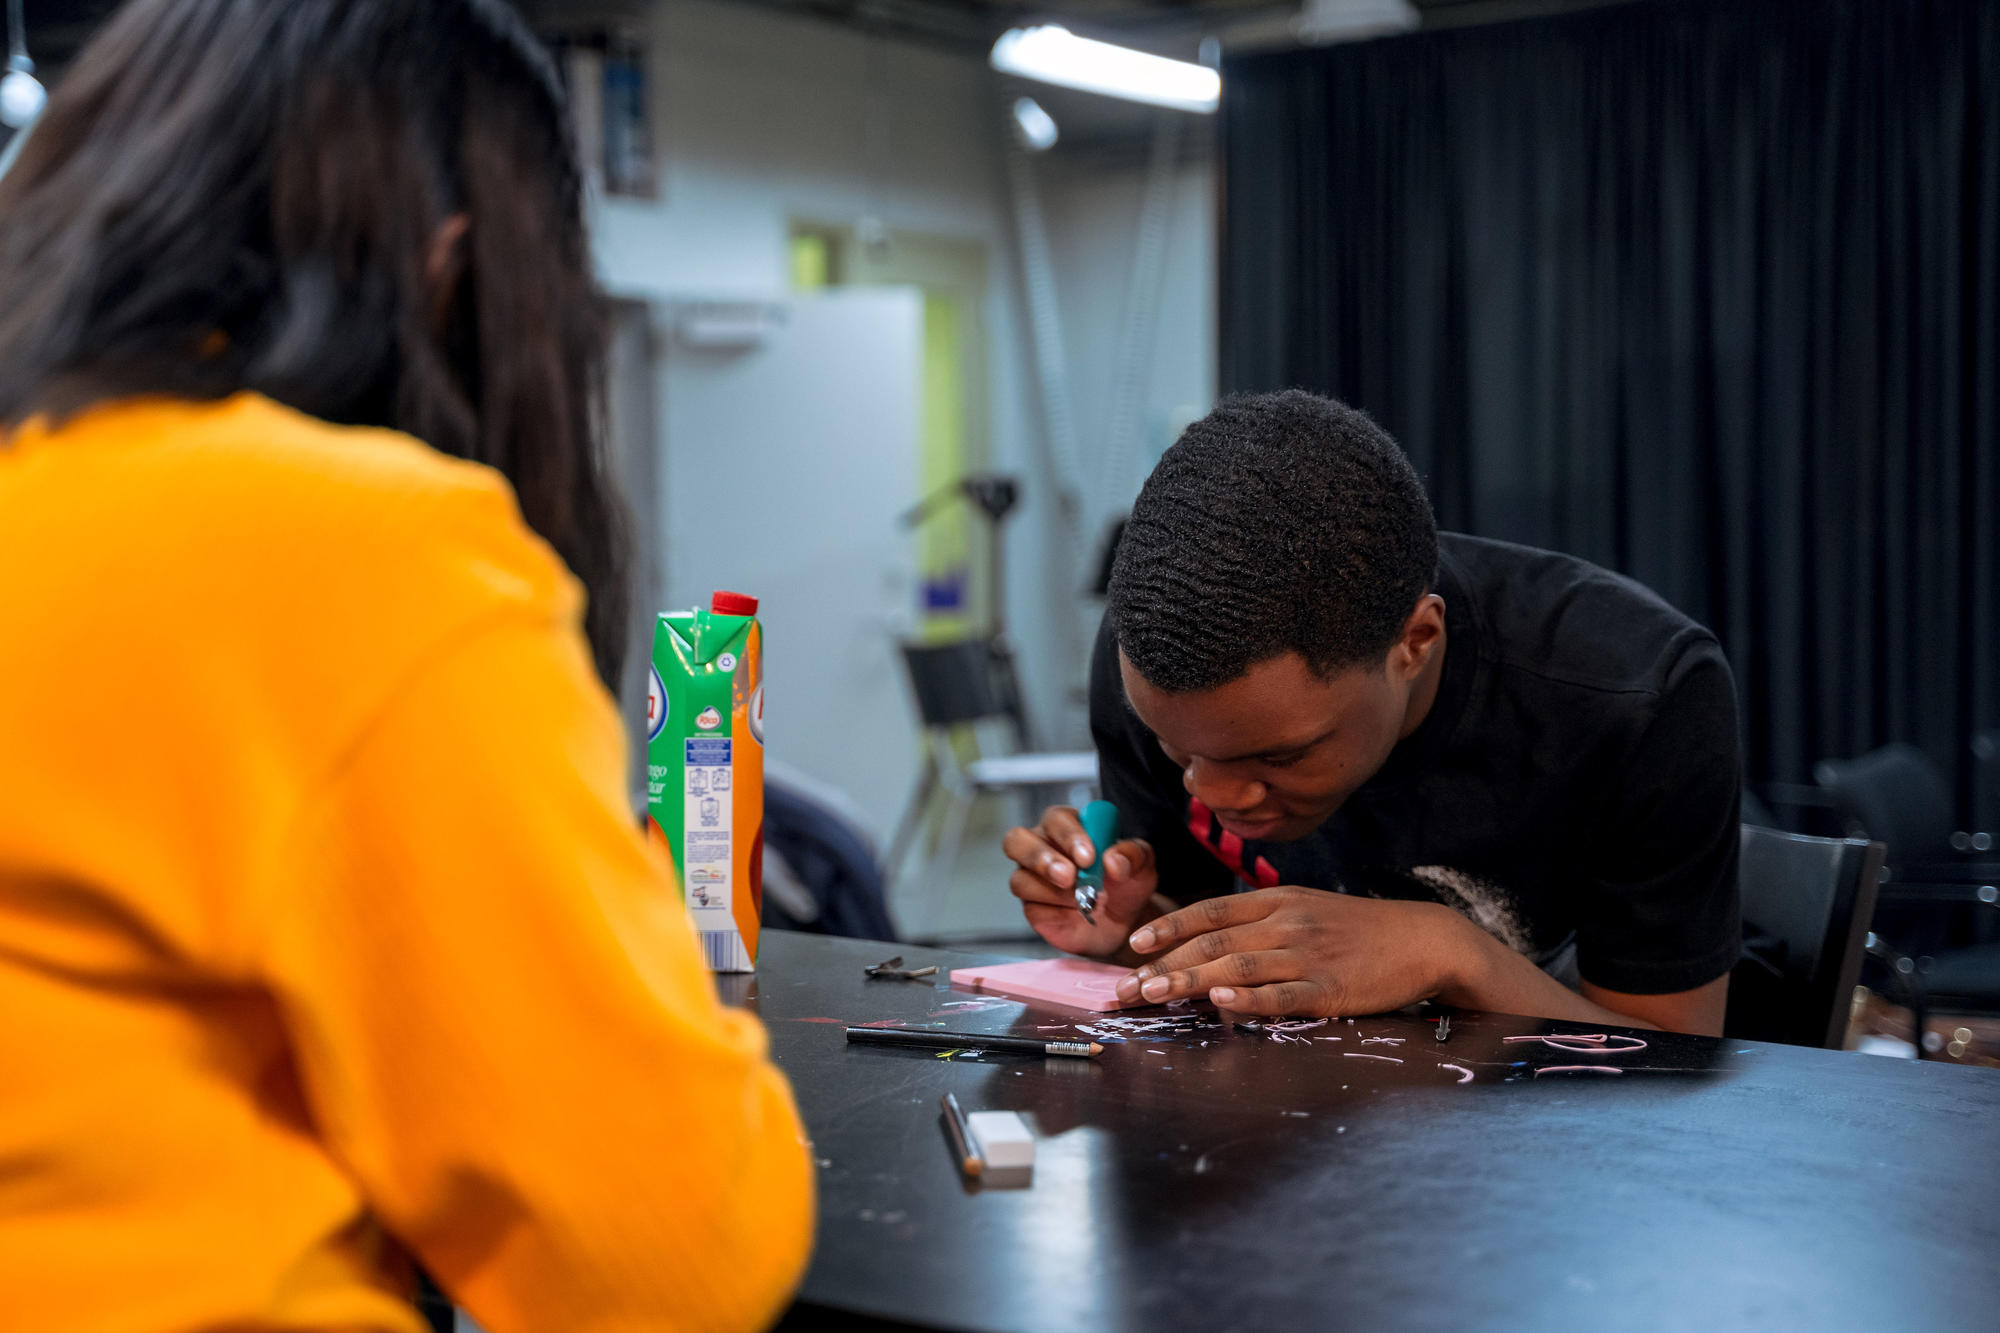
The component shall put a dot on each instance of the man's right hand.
(1047, 858)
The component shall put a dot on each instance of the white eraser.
(1004, 1138)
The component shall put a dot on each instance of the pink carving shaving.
(1594, 1045)
(1585, 1043)
(1465, 1074)
(1363, 1055)
(1578, 1069)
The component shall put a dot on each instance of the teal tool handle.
(1100, 825)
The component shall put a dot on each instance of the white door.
(789, 451)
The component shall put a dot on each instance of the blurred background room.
(1706, 291)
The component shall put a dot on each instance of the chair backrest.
(829, 858)
(1898, 796)
(1817, 895)
(954, 682)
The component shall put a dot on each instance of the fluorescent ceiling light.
(1037, 127)
(1052, 54)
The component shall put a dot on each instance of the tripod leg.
(913, 814)
(943, 885)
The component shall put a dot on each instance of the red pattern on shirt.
(1201, 823)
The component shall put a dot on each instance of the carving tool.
(963, 1142)
(1444, 1028)
(895, 971)
(1100, 825)
(932, 1038)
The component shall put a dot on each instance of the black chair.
(958, 685)
(1816, 896)
(1940, 889)
(1898, 796)
(820, 872)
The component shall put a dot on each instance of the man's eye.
(1283, 760)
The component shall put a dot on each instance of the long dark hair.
(245, 194)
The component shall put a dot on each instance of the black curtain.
(1702, 290)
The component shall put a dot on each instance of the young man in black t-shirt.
(1360, 763)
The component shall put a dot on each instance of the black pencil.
(934, 1039)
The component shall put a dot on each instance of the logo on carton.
(656, 704)
(726, 662)
(708, 719)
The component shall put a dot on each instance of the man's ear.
(1423, 632)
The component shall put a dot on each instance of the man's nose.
(1221, 787)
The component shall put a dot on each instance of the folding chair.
(958, 685)
(1816, 895)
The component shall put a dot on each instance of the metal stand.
(995, 495)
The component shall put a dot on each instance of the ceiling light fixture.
(22, 96)
(1053, 54)
(1036, 127)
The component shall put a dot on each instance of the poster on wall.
(609, 79)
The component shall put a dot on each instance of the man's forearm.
(1482, 973)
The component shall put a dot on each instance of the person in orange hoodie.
(328, 939)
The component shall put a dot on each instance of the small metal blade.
(1086, 901)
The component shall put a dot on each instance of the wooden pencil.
(935, 1040)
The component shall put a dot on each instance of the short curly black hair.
(1279, 522)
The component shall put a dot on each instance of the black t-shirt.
(1574, 789)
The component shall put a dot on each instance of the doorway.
(954, 409)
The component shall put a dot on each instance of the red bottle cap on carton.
(733, 604)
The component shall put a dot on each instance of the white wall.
(1093, 208)
(1093, 202)
(1093, 219)
(762, 118)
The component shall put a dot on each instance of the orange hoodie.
(324, 919)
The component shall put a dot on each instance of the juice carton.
(705, 769)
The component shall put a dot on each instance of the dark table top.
(1234, 1178)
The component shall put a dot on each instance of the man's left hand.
(1299, 952)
